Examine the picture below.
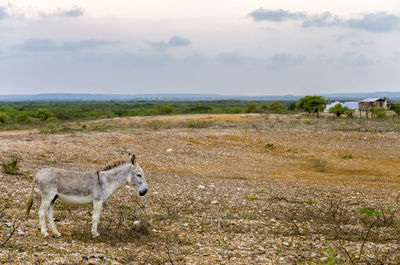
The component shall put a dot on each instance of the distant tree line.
(28, 114)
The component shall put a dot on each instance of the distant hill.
(108, 97)
(394, 96)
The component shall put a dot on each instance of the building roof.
(371, 99)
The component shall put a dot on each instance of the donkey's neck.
(116, 178)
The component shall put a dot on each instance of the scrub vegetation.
(55, 117)
(24, 115)
(223, 188)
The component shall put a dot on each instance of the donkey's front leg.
(97, 207)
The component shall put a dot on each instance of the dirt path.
(18, 132)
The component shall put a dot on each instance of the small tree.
(22, 117)
(199, 109)
(312, 104)
(338, 110)
(264, 107)
(165, 109)
(252, 108)
(3, 117)
(396, 108)
(276, 107)
(43, 114)
(292, 106)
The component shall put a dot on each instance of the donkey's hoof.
(46, 235)
(57, 234)
(95, 234)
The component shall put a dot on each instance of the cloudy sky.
(241, 47)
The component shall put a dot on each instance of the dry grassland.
(235, 189)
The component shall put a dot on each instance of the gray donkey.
(74, 187)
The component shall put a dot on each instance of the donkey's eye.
(138, 175)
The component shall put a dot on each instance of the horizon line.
(197, 94)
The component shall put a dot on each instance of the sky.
(231, 47)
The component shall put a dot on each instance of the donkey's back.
(66, 182)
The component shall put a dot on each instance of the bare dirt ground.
(231, 189)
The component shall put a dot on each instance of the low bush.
(11, 167)
(198, 124)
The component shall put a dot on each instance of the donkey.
(76, 188)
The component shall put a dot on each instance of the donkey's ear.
(133, 159)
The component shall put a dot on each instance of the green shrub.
(332, 257)
(378, 112)
(11, 167)
(291, 106)
(276, 107)
(149, 112)
(347, 156)
(165, 109)
(3, 117)
(252, 108)
(235, 110)
(43, 114)
(396, 109)
(51, 119)
(199, 109)
(338, 110)
(22, 117)
(198, 124)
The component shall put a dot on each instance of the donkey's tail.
(29, 202)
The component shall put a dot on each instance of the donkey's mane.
(116, 164)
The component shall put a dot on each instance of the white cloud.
(373, 22)
(48, 45)
(378, 22)
(174, 41)
(276, 15)
(73, 12)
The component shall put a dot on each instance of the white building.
(351, 105)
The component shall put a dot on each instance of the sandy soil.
(232, 193)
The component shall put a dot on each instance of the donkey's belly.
(74, 199)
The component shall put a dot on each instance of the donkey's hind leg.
(43, 211)
(50, 217)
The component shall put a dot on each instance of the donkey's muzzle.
(142, 192)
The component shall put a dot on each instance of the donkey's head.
(136, 177)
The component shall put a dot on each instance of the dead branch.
(14, 228)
